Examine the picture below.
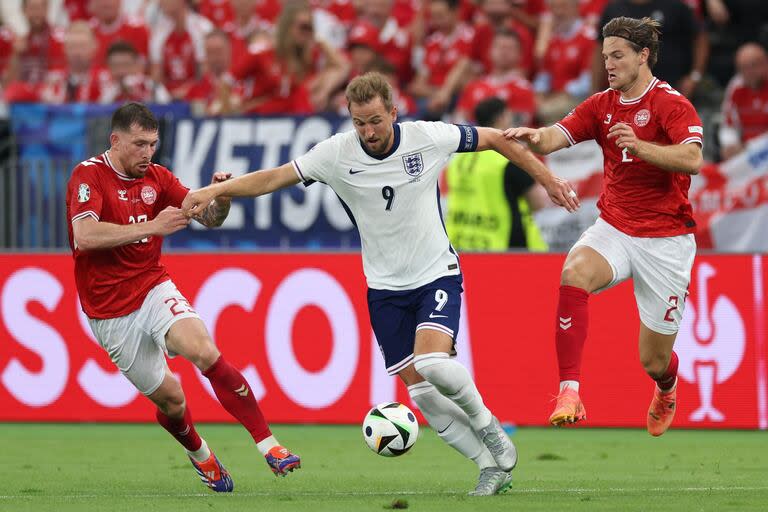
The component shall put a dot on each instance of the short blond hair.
(365, 88)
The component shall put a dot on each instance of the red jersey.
(6, 48)
(114, 282)
(45, 51)
(180, 50)
(219, 12)
(126, 28)
(76, 9)
(484, 39)
(62, 86)
(638, 198)
(516, 91)
(745, 110)
(442, 52)
(568, 56)
(267, 87)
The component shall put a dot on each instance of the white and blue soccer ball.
(390, 429)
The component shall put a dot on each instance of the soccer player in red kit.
(121, 205)
(651, 139)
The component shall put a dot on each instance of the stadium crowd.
(542, 57)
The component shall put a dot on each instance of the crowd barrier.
(297, 326)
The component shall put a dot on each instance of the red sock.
(571, 330)
(236, 396)
(666, 381)
(181, 428)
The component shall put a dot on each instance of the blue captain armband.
(469, 138)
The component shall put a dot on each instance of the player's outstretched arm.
(559, 190)
(684, 158)
(541, 140)
(255, 183)
(90, 234)
(217, 210)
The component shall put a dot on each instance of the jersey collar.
(632, 101)
(120, 175)
(395, 144)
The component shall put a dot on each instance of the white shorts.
(136, 342)
(659, 267)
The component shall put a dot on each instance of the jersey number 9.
(388, 193)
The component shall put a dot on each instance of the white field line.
(341, 494)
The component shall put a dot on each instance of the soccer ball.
(390, 429)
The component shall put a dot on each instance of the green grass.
(139, 468)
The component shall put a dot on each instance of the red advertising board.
(297, 326)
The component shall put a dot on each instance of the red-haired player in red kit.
(121, 205)
(651, 139)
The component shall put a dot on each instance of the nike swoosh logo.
(432, 315)
(446, 428)
(355, 172)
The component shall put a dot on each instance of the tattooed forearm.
(213, 216)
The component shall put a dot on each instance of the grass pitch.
(140, 468)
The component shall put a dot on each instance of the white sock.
(454, 381)
(450, 423)
(573, 384)
(267, 444)
(201, 454)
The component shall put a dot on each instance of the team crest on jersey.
(83, 193)
(642, 117)
(414, 164)
(148, 195)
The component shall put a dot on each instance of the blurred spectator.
(564, 77)
(735, 22)
(505, 81)
(494, 16)
(6, 50)
(77, 81)
(447, 59)
(58, 14)
(490, 200)
(245, 26)
(295, 73)
(127, 79)
(395, 42)
(110, 24)
(33, 55)
(218, 12)
(684, 44)
(745, 107)
(177, 47)
(362, 47)
(77, 10)
(207, 91)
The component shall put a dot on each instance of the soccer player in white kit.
(651, 137)
(386, 174)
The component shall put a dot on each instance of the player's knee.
(654, 365)
(204, 354)
(173, 404)
(576, 275)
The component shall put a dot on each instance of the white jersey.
(394, 199)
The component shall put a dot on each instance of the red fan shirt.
(745, 110)
(517, 92)
(126, 28)
(639, 198)
(114, 282)
(568, 56)
(442, 52)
